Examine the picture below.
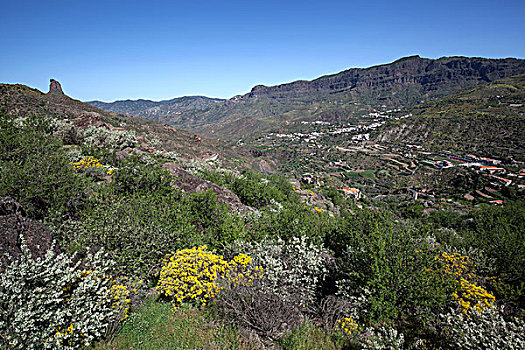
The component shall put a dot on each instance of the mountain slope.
(405, 82)
(22, 101)
(159, 110)
(487, 120)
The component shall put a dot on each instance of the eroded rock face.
(13, 225)
(190, 183)
(55, 88)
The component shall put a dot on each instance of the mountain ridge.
(404, 82)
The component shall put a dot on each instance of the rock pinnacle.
(55, 88)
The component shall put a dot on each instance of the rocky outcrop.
(13, 225)
(55, 88)
(190, 183)
(421, 77)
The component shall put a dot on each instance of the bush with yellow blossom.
(467, 294)
(194, 274)
(347, 325)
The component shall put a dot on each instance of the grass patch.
(367, 174)
(156, 326)
(309, 337)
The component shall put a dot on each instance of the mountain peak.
(55, 88)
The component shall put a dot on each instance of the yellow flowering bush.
(467, 294)
(86, 163)
(194, 274)
(121, 293)
(347, 325)
(90, 162)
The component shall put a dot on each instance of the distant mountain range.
(153, 109)
(403, 83)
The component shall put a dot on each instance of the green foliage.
(293, 220)
(356, 227)
(334, 195)
(156, 326)
(500, 231)
(494, 238)
(140, 228)
(252, 188)
(133, 175)
(34, 169)
(310, 337)
(397, 272)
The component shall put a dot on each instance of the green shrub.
(500, 232)
(35, 171)
(133, 175)
(138, 229)
(293, 220)
(397, 273)
(252, 188)
(54, 303)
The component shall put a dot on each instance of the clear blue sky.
(110, 50)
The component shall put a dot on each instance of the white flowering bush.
(167, 155)
(382, 338)
(290, 269)
(487, 329)
(101, 137)
(93, 136)
(154, 141)
(53, 303)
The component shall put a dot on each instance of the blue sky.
(108, 50)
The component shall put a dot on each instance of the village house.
(490, 169)
(502, 179)
(352, 192)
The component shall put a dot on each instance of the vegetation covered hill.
(172, 111)
(167, 240)
(22, 101)
(487, 120)
(405, 82)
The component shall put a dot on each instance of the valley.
(367, 207)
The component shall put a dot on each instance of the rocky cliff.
(403, 83)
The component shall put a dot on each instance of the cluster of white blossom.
(487, 329)
(54, 303)
(290, 268)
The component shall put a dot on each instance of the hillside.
(364, 244)
(405, 82)
(167, 111)
(20, 100)
(488, 119)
